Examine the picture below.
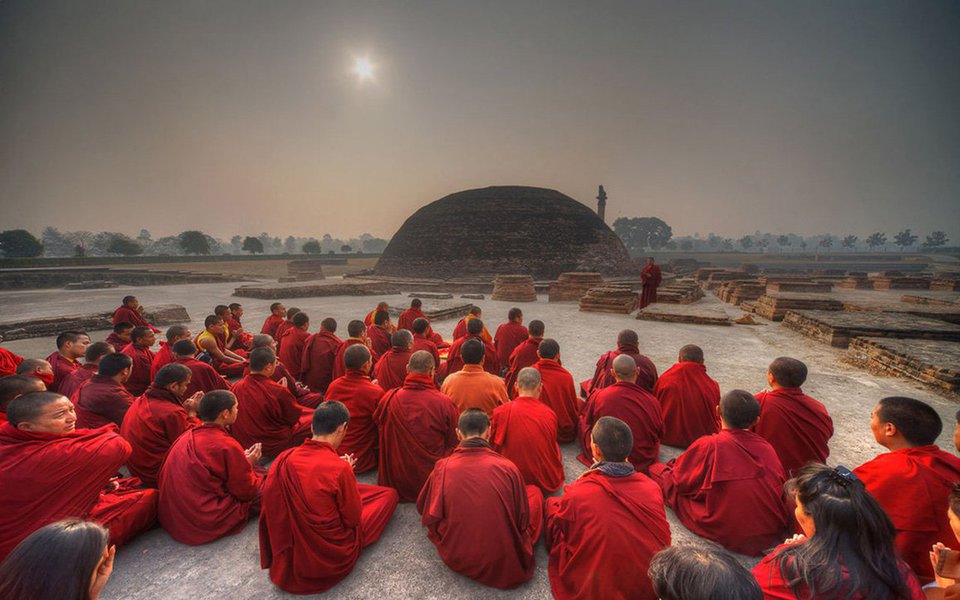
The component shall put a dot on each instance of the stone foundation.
(697, 314)
(947, 284)
(860, 282)
(438, 310)
(681, 291)
(736, 292)
(276, 292)
(514, 288)
(807, 287)
(570, 287)
(16, 279)
(162, 314)
(935, 363)
(910, 299)
(838, 328)
(775, 308)
(901, 283)
(609, 299)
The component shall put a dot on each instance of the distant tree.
(56, 243)
(312, 247)
(252, 245)
(686, 245)
(713, 240)
(936, 239)
(671, 245)
(374, 245)
(345, 248)
(726, 244)
(876, 239)
(826, 242)
(905, 239)
(803, 244)
(746, 242)
(849, 242)
(19, 243)
(642, 232)
(121, 244)
(290, 245)
(194, 242)
(763, 243)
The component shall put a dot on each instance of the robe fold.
(523, 356)
(391, 369)
(269, 414)
(600, 524)
(151, 425)
(688, 401)
(270, 325)
(117, 342)
(315, 518)
(418, 427)
(291, 350)
(509, 335)
(62, 367)
(379, 340)
(460, 329)
(282, 328)
(101, 401)
(361, 396)
(423, 343)
(491, 364)
(161, 357)
(525, 432)
(481, 517)
(797, 426)
(142, 359)
(339, 369)
(636, 407)
(8, 362)
(124, 314)
(602, 377)
(203, 377)
(316, 364)
(650, 277)
(73, 381)
(560, 394)
(242, 339)
(207, 486)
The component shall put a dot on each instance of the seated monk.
(164, 355)
(269, 413)
(609, 511)
(525, 431)
(315, 518)
(356, 334)
(478, 513)
(204, 378)
(379, 333)
(91, 361)
(701, 569)
(407, 317)
(319, 352)
(293, 342)
(226, 362)
(210, 485)
(391, 369)
(418, 427)
(8, 361)
(627, 343)
(14, 386)
(559, 391)
(287, 324)
(131, 312)
(797, 426)
(120, 336)
(371, 316)
(509, 335)
(49, 470)
(360, 395)
(471, 386)
(524, 355)
(728, 487)
(278, 313)
(229, 335)
(105, 399)
(142, 339)
(956, 432)
(37, 368)
(688, 399)
(912, 481)
(422, 339)
(282, 376)
(156, 419)
(460, 330)
(630, 403)
(491, 364)
(71, 345)
(242, 339)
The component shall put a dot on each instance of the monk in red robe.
(372, 315)
(491, 363)
(293, 342)
(797, 426)
(609, 511)
(203, 377)
(379, 333)
(524, 355)
(728, 487)
(630, 403)
(316, 518)
(525, 431)
(423, 340)
(559, 391)
(156, 419)
(269, 413)
(164, 355)
(71, 346)
(356, 334)
(650, 277)
(131, 311)
(282, 376)
(120, 336)
(243, 340)
(278, 313)
(14, 386)
(49, 471)
(91, 360)
(211, 341)
(104, 399)
(285, 325)
(37, 368)
(913, 481)
(460, 329)
(688, 399)
(8, 361)
(407, 317)
(418, 427)
(210, 485)
(391, 369)
(509, 335)
(140, 353)
(627, 343)
(319, 353)
(361, 396)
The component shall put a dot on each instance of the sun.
(363, 69)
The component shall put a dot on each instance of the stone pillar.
(602, 204)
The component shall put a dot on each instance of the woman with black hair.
(846, 551)
(66, 560)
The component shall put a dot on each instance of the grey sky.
(243, 116)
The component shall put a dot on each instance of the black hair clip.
(844, 476)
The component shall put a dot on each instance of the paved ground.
(404, 564)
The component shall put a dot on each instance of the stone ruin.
(160, 314)
(610, 298)
(570, 287)
(514, 288)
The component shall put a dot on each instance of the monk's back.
(424, 414)
(796, 425)
(688, 400)
(525, 432)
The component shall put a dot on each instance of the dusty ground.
(404, 564)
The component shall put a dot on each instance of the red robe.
(422, 343)
(242, 339)
(270, 325)
(8, 362)
(73, 381)
(281, 330)
(124, 314)
(418, 427)
(636, 407)
(161, 358)
(142, 359)
(116, 341)
(207, 486)
(227, 369)
(62, 367)
(339, 369)
(391, 369)
(304, 397)
(291, 350)
(509, 335)
(361, 396)
(407, 317)
(688, 400)
(379, 340)
(491, 363)
(101, 401)
(913, 485)
(560, 394)
(523, 356)
(481, 517)
(597, 518)
(151, 425)
(203, 378)
(46, 477)
(316, 363)
(797, 426)
(525, 432)
(651, 277)
(316, 518)
(728, 488)
(269, 414)
(460, 330)
(602, 377)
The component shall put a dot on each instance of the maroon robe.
(797, 426)
(339, 369)
(688, 400)
(560, 394)
(509, 335)
(291, 351)
(161, 358)
(407, 317)
(151, 425)
(142, 359)
(379, 340)
(460, 330)
(101, 401)
(525, 432)
(391, 369)
(270, 325)
(62, 367)
(651, 277)
(73, 381)
(128, 315)
(523, 356)
(491, 364)
(269, 414)
(422, 343)
(117, 342)
(602, 377)
(636, 407)
(317, 362)
(281, 330)
(361, 396)
(203, 378)
(8, 362)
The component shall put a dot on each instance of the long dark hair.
(853, 534)
(55, 562)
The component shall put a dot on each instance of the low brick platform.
(161, 314)
(947, 284)
(910, 299)
(736, 292)
(438, 310)
(680, 291)
(430, 295)
(807, 287)
(570, 287)
(697, 314)
(514, 288)
(950, 314)
(609, 299)
(935, 363)
(859, 282)
(901, 283)
(775, 306)
(352, 288)
(837, 328)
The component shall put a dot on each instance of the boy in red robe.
(524, 355)
(315, 518)
(361, 396)
(209, 485)
(559, 391)
(293, 342)
(391, 369)
(211, 340)
(285, 325)
(319, 353)
(418, 427)
(913, 481)
(688, 399)
(49, 471)
(509, 335)
(38, 369)
(104, 399)
(728, 487)
(71, 345)
(628, 342)
(120, 336)
(356, 334)
(282, 376)
(630, 403)
(478, 512)
(8, 361)
(491, 363)
(91, 361)
(141, 340)
(131, 312)
(370, 319)
(525, 431)
(14, 386)
(609, 511)
(407, 317)
(379, 333)
(278, 312)
(164, 355)
(460, 329)
(423, 340)
(650, 277)
(242, 339)
(203, 378)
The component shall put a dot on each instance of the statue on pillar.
(602, 204)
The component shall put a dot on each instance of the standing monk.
(559, 391)
(164, 355)
(509, 335)
(319, 353)
(627, 343)
(91, 361)
(131, 312)
(71, 345)
(291, 346)
(203, 377)
(423, 341)
(356, 334)
(472, 387)
(141, 340)
(460, 329)
(688, 399)
(379, 333)
(524, 355)
(226, 362)
(278, 312)
(651, 277)
(120, 336)
(391, 369)
(104, 399)
(361, 396)
(491, 364)
(316, 518)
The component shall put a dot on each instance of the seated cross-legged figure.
(164, 355)
(628, 342)
(524, 355)
(292, 345)
(104, 399)
(491, 363)
(361, 396)
(422, 339)
(508, 336)
(559, 391)
(141, 340)
(212, 341)
(688, 399)
(472, 386)
(204, 378)
(319, 351)
(391, 369)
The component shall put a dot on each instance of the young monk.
(293, 342)
(286, 324)
(131, 312)
(912, 481)
(8, 361)
(120, 336)
(379, 333)
(71, 345)
(371, 316)
(226, 362)
(525, 432)
(105, 399)
(91, 361)
(210, 485)
(282, 376)
(688, 399)
(611, 510)
(460, 329)
(559, 391)
(391, 369)
(510, 335)
(49, 470)
(316, 518)
(472, 387)
(407, 317)
(203, 378)
(524, 355)
(491, 364)
(319, 352)
(630, 403)
(478, 513)
(946, 562)
(688, 570)
(141, 340)
(278, 312)
(422, 339)
(797, 426)
(728, 487)
(37, 368)
(361, 396)
(628, 342)
(164, 355)
(229, 337)
(242, 339)
(14, 386)
(356, 334)
(417, 427)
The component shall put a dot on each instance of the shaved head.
(355, 356)
(262, 340)
(421, 361)
(528, 379)
(536, 328)
(475, 326)
(691, 353)
(401, 339)
(625, 368)
(548, 349)
(628, 337)
(739, 409)
(613, 437)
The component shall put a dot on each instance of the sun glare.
(363, 69)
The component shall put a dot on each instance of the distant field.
(258, 268)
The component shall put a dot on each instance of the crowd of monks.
(468, 429)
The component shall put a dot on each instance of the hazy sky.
(238, 117)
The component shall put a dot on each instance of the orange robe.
(525, 431)
(472, 387)
(688, 400)
(361, 396)
(317, 363)
(391, 369)
(797, 426)
(560, 394)
(151, 425)
(269, 414)
(636, 407)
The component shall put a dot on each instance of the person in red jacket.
(688, 399)
(361, 396)
(559, 391)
